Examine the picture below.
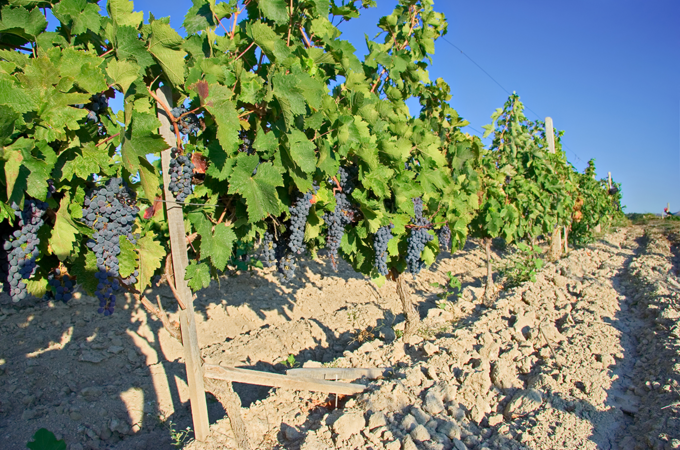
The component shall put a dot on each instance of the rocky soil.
(586, 357)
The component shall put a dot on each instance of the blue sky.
(607, 72)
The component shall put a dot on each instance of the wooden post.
(180, 260)
(609, 178)
(566, 236)
(550, 134)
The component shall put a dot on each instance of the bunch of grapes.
(22, 246)
(181, 172)
(444, 237)
(189, 123)
(382, 238)
(417, 239)
(286, 267)
(340, 217)
(268, 255)
(298, 220)
(110, 210)
(98, 104)
(62, 286)
(247, 145)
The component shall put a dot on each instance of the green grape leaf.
(267, 39)
(14, 168)
(83, 268)
(80, 15)
(265, 143)
(219, 103)
(199, 17)
(45, 440)
(166, 46)
(276, 10)
(127, 258)
(14, 97)
(64, 231)
(151, 255)
(21, 22)
(37, 288)
(259, 190)
(129, 47)
(223, 243)
(120, 11)
(123, 73)
(302, 151)
(197, 276)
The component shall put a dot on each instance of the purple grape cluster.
(181, 172)
(298, 219)
(417, 239)
(22, 247)
(268, 252)
(340, 217)
(247, 145)
(61, 285)
(382, 238)
(445, 237)
(286, 266)
(110, 210)
(189, 123)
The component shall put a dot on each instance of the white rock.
(349, 424)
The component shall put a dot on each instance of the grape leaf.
(80, 15)
(302, 151)
(223, 242)
(129, 47)
(64, 232)
(45, 440)
(270, 43)
(83, 268)
(127, 258)
(275, 10)
(21, 22)
(220, 105)
(151, 255)
(166, 46)
(121, 13)
(258, 190)
(123, 73)
(199, 17)
(197, 276)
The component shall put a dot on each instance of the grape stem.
(187, 113)
(244, 51)
(160, 314)
(108, 139)
(337, 187)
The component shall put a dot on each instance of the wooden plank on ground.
(330, 373)
(280, 381)
(180, 260)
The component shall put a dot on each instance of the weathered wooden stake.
(609, 178)
(550, 134)
(180, 260)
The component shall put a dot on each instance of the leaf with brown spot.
(202, 89)
(200, 162)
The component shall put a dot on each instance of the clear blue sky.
(607, 72)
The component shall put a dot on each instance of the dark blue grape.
(189, 123)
